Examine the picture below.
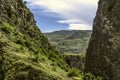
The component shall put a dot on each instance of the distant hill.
(80, 34)
(63, 32)
(75, 41)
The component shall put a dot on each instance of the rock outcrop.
(103, 54)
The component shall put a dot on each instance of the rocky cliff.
(25, 54)
(103, 54)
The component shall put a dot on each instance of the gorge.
(26, 53)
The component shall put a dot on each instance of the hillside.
(75, 42)
(25, 53)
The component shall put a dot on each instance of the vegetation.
(89, 76)
(25, 53)
(23, 58)
(73, 72)
(74, 42)
(7, 28)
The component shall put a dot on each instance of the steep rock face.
(25, 54)
(103, 54)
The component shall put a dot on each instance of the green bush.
(89, 76)
(73, 72)
(28, 44)
(1, 35)
(20, 41)
(31, 46)
(7, 28)
(21, 75)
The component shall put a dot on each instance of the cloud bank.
(79, 27)
(78, 14)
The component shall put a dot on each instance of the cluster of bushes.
(89, 76)
(73, 72)
(20, 39)
(80, 76)
(7, 28)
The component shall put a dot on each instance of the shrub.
(7, 28)
(89, 76)
(25, 2)
(20, 41)
(28, 44)
(1, 35)
(21, 75)
(73, 72)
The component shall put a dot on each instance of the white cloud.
(79, 27)
(75, 24)
(70, 21)
(74, 12)
(54, 6)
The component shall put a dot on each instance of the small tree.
(25, 2)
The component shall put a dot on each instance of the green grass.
(7, 28)
(24, 59)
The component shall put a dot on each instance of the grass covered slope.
(25, 54)
(23, 59)
(75, 42)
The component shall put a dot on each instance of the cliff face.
(25, 54)
(103, 54)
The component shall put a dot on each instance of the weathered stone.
(103, 54)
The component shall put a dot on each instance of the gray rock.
(103, 54)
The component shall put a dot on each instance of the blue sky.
(52, 15)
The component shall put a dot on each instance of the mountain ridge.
(74, 41)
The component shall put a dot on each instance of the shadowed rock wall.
(103, 54)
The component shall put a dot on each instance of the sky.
(54, 15)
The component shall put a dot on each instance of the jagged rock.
(103, 54)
